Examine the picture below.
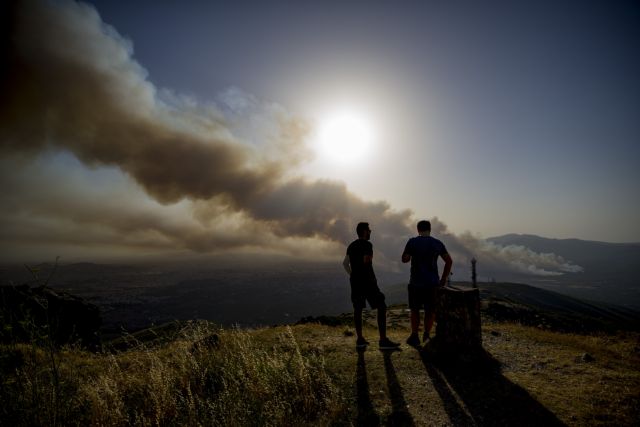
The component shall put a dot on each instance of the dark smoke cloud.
(73, 85)
(69, 83)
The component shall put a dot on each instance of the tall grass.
(234, 380)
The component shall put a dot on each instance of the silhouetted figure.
(358, 263)
(423, 252)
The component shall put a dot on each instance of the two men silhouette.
(423, 251)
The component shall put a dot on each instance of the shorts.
(360, 294)
(423, 298)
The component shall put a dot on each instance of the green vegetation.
(310, 374)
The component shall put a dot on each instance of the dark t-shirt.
(424, 251)
(361, 273)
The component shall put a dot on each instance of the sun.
(345, 136)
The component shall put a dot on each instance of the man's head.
(424, 226)
(363, 230)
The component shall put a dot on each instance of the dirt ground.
(530, 377)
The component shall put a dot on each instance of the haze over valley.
(276, 290)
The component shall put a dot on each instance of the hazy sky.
(201, 124)
(496, 117)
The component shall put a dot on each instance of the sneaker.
(361, 343)
(387, 344)
(413, 340)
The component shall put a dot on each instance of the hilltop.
(552, 360)
(198, 373)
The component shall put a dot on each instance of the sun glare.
(345, 136)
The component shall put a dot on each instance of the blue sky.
(201, 127)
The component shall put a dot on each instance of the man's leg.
(429, 318)
(376, 300)
(358, 301)
(415, 321)
(414, 306)
(413, 339)
(430, 311)
(357, 321)
(385, 343)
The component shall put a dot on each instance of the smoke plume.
(209, 177)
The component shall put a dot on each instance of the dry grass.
(585, 380)
(311, 375)
(545, 377)
(238, 381)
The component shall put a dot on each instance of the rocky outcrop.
(40, 313)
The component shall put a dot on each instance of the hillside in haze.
(137, 296)
(610, 271)
(283, 290)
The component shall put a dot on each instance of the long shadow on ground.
(476, 393)
(367, 416)
(399, 416)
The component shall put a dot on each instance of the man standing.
(423, 252)
(364, 286)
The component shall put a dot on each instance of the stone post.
(458, 329)
(473, 272)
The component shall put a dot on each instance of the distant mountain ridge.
(610, 270)
(573, 245)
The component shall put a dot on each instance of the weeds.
(237, 381)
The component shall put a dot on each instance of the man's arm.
(406, 256)
(347, 265)
(448, 262)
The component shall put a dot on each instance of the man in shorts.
(364, 287)
(423, 252)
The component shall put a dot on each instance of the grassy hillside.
(539, 307)
(199, 374)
